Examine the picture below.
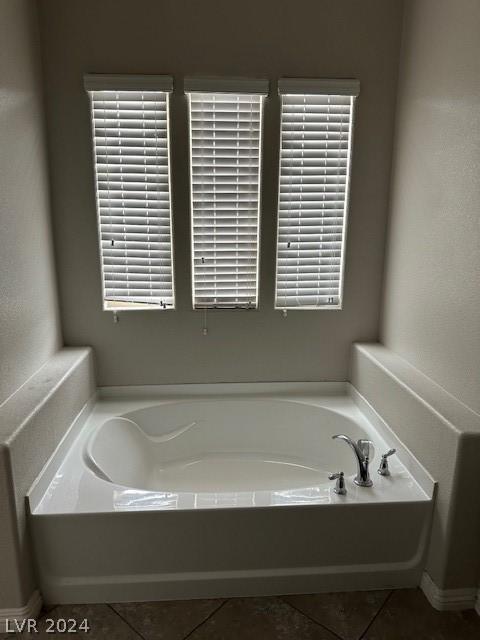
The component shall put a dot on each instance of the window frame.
(324, 87)
(124, 83)
(232, 86)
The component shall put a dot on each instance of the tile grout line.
(124, 620)
(45, 614)
(305, 615)
(206, 619)
(376, 615)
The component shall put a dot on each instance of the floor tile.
(409, 616)
(46, 609)
(347, 614)
(166, 620)
(103, 622)
(262, 619)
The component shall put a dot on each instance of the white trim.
(448, 599)
(347, 202)
(226, 85)
(30, 610)
(259, 196)
(105, 81)
(190, 184)
(170, 199)
(345, 87)
(477, 603)
(227, 584)
(279, 169)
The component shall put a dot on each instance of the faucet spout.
(364, 452)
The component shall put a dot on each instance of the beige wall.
(29, 329)
(432, 287)
(270, 38)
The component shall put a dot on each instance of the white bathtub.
(211, 490)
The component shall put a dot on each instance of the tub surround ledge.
(444, 435)
(33, 422)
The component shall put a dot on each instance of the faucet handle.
(383, 469)
(340, 485)
(367, 448)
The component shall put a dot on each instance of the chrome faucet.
(364, 452)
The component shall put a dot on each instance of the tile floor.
(368, 615)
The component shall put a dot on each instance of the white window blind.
(316, 137)
(225, 146)
(131, 151)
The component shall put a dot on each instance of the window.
(316, 142)
(131, 152)
(225, 142)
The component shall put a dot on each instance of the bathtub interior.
(221, 445)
